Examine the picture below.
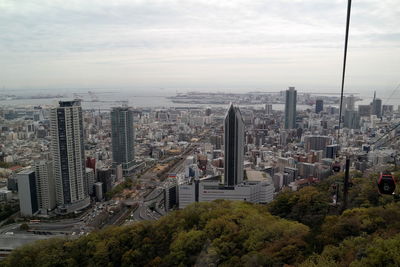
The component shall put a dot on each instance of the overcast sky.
(178, 45)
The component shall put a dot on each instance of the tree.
(216, 233)
(308, 206)
(24, 227)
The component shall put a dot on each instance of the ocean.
(108, 99)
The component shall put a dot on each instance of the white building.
(209, 189)
(27, 193)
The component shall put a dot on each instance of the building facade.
(67, 147)
(290, 108)
(209, 189)
(364, 110)
(377, 107)
(316, 142)
(319, 105)
(351, 119)
(234, 146)
(122, 137)
(46, 191)
(27, 193)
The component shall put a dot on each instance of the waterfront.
(107, 99)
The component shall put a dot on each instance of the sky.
(224, 45)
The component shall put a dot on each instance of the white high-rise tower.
(45, 185)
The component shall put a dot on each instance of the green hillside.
(299, 228)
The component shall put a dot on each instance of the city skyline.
(232, 45)
(184, 155)
(199, 133)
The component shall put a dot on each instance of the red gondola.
(386, 183)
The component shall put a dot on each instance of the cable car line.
(390, 140)
(380, 138)
(391, 95)
(344, 64)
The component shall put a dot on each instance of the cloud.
(173, 43)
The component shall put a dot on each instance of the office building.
(67, 147)
(376, 106)
(104, 175)
(351, 119)
(291, 175)
(90, 180)
(208, 111)
(316, 142)
(216, 141)
(387, 110)
(98, 188)
(12, 183)
(209, 189)
(234, 146)
(306, 170)
(349, 102)
(319, 105)
(46, 191)
(364, 110)
(27, 193)
(290, 108)
(268, 109)
(122, 138)
(331, 151)
(171, 196)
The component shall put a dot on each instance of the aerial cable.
(395, 126)
(394, 91)
(390, 140)
(346, 176)
(380, 138)
(344, 64)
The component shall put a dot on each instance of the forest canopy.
(302, 228)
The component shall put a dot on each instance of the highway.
(149, 207)
(143, 212)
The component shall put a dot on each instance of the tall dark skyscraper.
(234, 146)
(364, 110)
(67, 147)
(290, 108)
(122, 137)
(319, 105)
(377, 107)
